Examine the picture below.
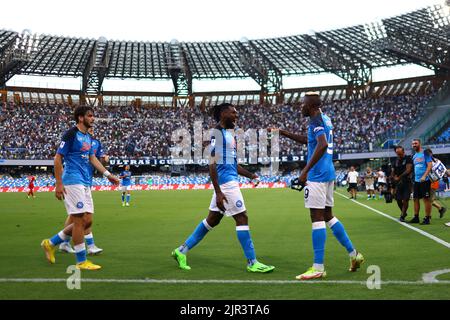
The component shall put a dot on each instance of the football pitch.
(137, 242)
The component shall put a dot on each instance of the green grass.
(138, 240)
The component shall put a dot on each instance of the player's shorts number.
(306, 193)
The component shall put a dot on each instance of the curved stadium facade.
(420, 37)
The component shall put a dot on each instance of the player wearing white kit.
(381, 182)
(352, 179)
(369, 180)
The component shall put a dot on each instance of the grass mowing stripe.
(426, 234)
(218, 281)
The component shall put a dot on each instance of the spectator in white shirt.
(352, 179)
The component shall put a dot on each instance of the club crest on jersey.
(80, 205)
(239, 203)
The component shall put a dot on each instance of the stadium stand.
(443, 137)
(139, 124)
(350, 53)
(32, 131)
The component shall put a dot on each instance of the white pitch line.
(426, 234)
(217, 281)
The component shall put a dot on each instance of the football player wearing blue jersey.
(73, 183)
(227, 198)
(422, 184)
(92, 249)
(126, 185)
(318, 178)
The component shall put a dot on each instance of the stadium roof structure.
(421, 37)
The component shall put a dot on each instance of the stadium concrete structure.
(420, 37)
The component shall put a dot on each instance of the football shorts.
(422, 189)
(78, 199)
(403, 191)
(125, 188)
(353, 186)
(319, 195)
(235, 204)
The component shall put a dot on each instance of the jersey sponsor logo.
(85, 146)
(80, 205)
(318, 129)
(239, 203)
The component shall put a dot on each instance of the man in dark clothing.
(401, 179)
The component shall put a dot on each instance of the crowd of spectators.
(32, 131)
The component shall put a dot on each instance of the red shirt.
(435, 185)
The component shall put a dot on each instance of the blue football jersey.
(75, 147)
(223, 148)
(421, 161)
(98, 151)
(323, 170)
(126, 180)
